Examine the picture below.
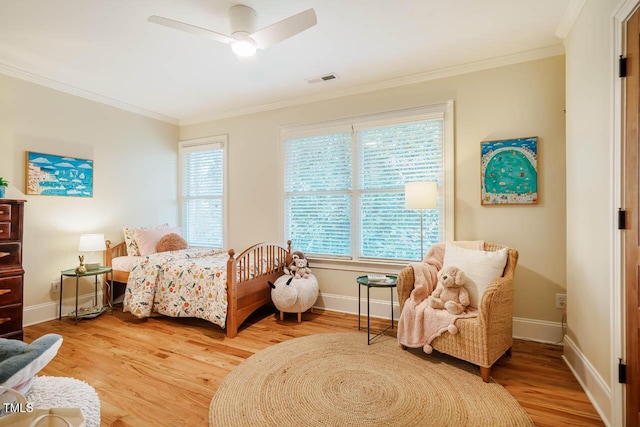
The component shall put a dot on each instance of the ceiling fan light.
(244, 47)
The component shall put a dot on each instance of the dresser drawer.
(10, 290)
(5, 212)
(10, 319)
(5, 230)
(10, 254)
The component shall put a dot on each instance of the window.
(203, 171)
(344, 184)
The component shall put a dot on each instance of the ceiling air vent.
(325, 78)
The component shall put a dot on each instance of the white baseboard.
(344, 304)
(48, 311)
(538, 330)
(526, 329)
(596, 389)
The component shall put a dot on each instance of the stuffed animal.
(293, 267)
(450, 293)
(302, 270)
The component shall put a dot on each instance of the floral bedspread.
(186, 283)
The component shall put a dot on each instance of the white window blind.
(388, 158)
(203, 167)
(344, 191)
(318, 187)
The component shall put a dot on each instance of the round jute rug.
(337, 380)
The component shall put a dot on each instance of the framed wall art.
(509, 171)
(51, 175)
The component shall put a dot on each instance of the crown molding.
(440, 73)
(82, 93)
(386, 84)
(570, 15)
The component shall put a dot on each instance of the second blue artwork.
(510, 171)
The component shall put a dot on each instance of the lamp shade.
(421, 195)
(91, 243)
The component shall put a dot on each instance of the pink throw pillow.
(147, 240)
(132, 246)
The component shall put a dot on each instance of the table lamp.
(92, 243)
(421, 195)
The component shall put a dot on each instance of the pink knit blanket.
(420, 324)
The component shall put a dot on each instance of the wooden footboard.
(249, 289)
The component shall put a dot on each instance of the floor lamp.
(421, 195)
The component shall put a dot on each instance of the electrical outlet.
(561, 300)
(55, 286)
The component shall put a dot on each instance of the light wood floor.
(164, 372)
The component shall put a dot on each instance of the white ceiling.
(107, 51)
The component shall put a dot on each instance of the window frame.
(444, 111)
(203, 144)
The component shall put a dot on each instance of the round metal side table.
(390, 283)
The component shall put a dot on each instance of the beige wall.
(589, 185)
(132, 154)
(521, 100)
(135, 162)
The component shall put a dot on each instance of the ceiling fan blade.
(189, 28)
(284, 29)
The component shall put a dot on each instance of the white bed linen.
(124, 263)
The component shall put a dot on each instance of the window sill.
(384, 267)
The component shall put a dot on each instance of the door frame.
(621, 14)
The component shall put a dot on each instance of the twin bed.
(197, 283)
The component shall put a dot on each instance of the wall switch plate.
(561, 300)
(55, 286)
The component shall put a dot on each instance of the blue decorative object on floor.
(20, 361)
(63, 392)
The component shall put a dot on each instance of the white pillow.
(147, 240)
(132, 246)
(480, 267)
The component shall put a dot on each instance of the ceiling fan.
(244, 38)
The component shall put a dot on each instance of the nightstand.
(390, 282)
(72, 273)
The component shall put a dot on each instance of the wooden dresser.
(11, 271)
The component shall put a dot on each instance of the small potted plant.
(3, 186)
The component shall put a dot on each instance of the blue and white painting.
(52, 175)
(510, 171)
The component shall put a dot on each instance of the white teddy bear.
(302, 271)
(450, 293)
(299, 267)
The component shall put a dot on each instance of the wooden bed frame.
(245, 293)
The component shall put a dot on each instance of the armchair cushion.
(480, 267)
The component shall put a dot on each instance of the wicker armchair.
(484, 339)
